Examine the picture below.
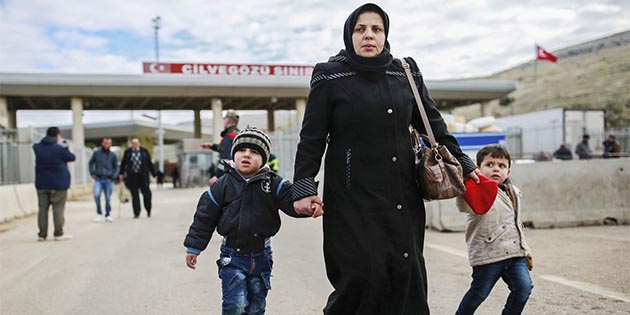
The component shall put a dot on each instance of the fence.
(284, 146)
(17, 160)
(541, 145)
(9, 157)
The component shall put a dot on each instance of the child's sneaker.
(99, 218)
(64, 237)
(109, 218)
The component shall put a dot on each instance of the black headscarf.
(374, 66)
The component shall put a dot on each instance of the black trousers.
(138, 182)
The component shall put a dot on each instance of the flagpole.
(537, 105)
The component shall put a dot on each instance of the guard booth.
(195, 163)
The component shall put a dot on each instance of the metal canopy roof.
(177, 91)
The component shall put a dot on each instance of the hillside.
(595, 74)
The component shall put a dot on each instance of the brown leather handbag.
(438, 172)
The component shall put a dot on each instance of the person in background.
(582, 150)
(230, 125)
(160, 179)
(273, 163)
(52, 180)
(612, 148)
(103, 167)
(563, 153)
(135, 168)
(359, 110)
(175, 176)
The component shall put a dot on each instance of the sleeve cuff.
(191, 250)
(467, 164)
(304, 187)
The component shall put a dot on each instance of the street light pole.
(160, 143)
(160, 136)
(156, 25)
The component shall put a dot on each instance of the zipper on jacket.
(348, 168)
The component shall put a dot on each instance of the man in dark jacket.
(563, 153)
(52, 180)
(230, 122)
(104, 170)
(135, 169)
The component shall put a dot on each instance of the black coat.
(146, 166)
(244, 212)
(374, 217)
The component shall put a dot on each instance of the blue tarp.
(473, 141)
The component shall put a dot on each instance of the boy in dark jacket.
(243, 207)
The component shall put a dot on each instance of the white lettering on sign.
(227, 69)
(187, 69)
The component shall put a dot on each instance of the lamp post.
(160, 136)
(160, 132)
(156, 26)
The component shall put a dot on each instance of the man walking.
(104, 170)
(230, 125)
(52, 180)
(135, 169)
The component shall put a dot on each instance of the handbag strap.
(414, 89)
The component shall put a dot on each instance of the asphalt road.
(137, 266)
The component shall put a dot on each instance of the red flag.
(542, 54)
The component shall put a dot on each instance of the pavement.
(137, 266)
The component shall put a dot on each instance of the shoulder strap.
(414, 89)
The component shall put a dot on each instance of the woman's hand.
(311, 206)
(473, 175)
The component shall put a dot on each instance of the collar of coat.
(230, 167)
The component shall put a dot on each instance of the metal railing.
(9, 157)
(17, 159)
(514, 142)
(284, 147)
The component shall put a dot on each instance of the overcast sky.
(450, 39)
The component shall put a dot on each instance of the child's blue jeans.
(245, 280)
(514, 273)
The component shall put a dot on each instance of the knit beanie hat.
(253, 138)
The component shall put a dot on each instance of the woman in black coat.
(360, 105)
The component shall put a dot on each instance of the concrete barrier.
(558, 194)
(17, 201)
(26, 195)
(9, 204)
(443, 216)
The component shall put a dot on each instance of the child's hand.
(318, 209)
(191, 260)
(530, 262)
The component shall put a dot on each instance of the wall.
(558, 194)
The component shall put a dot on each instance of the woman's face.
(368, 36)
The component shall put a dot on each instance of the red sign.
(212, 69)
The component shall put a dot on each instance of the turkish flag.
(542, 54)
(153, 67)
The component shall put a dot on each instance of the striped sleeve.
(304, 187)
(467, 164)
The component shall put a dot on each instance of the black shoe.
(136, 216)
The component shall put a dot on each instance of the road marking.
(449, 250)
(607, 237)
(588, 287)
